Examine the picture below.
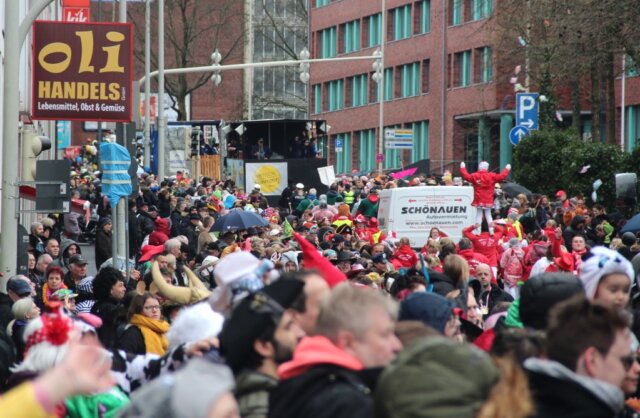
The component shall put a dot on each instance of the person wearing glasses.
(146, 330)
(260, 151)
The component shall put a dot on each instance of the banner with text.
(272, 177)
(82, 71)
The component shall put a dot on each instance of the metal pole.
(443, 88)
(147, 85)
(11, 98)
(383, 39)
(120, 236)
(623, 104)
(161, 117)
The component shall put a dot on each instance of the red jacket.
(406, 256)
(483, 183)
(473, 259)
(485, 243)
(161, 233)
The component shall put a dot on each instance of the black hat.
(194, 216)
(379, 258)
(250, 318)
(77, 259)
(541, 293)
(252, 231)
(153, 208)
(344, 229)
(337, 239)
(344, 256)
(104, 221)
(19, 287)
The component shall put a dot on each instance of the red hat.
(560, 193)
(566, 262)
(148, 251)
(314, 260)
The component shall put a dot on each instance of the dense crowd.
(236, 305)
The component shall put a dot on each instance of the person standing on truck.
(483, 182)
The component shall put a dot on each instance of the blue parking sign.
(527, 110)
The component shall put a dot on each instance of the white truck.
(412, 211)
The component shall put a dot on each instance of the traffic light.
(32, 146)
(196, 136)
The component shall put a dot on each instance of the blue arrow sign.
(527, 110)
(517, 133)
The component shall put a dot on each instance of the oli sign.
(82, 71)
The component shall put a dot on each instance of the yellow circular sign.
(268, 177)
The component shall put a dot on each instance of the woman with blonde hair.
(23, 310)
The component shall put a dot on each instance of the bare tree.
(193, 30)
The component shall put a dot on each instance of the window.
(388, 84)
(422, 10)
(343, 159)
(409, 79)
(373, 23)
(335, 93)
(367, 150)
(350, 36)
(320, 3)
(359, 90)
(633, 127)
(480, 9)
(328, 47)
(483, 65)
(425, 76)
(317, 98)
(420, 141)
(631, 68)
(402, 22)
(462, 69)
(455, 12)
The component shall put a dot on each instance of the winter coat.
(369, 207)
(406, 256)
(252, 393)
(108, 310)
(332, 195)
(485, 243)
(473, 259)
(494, 296)
(189, 231)
(103, 247)
(131, 340)
(322, 381)
(560, 393)
(135, 240)
(483, 183)
(147, 224)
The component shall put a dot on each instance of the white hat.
(235, 266)
(257, 186)
(299, 186)
(602, 263)
(483, 166)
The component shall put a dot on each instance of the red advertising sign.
(76, 3)
(75, 14)
(82, 71)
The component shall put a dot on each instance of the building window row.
(402, 81)
(473, 66)
(462, 11)
(402, 23)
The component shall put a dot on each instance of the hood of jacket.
(314, 351)
(64, 246)
(162, 225)
(607, 393)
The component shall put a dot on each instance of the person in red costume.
(486, 244)
(483, 182)
(361, 231)
(405, 255)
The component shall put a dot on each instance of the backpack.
(512, 265)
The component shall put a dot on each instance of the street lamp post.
(383, 40)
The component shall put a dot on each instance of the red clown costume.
(483, 182)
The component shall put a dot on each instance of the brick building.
(440, 80)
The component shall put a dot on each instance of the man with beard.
(261, 334)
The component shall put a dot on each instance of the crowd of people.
(305, 307)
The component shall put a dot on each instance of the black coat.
(103, 247)
(110, 311)
(6, 315)
(325, 391)
(496, 295)
(131, 340)
(147, 224)
(559, 398)
(135, 238)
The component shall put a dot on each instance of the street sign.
(517, 133)
(379, 158)
(339, 145)
(398, 138)
(527, 110)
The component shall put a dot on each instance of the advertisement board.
(412, 211)
(82, 71)
(272, 177)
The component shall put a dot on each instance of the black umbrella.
(238, 219)
(514, 189)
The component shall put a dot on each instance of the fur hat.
(602, 263)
